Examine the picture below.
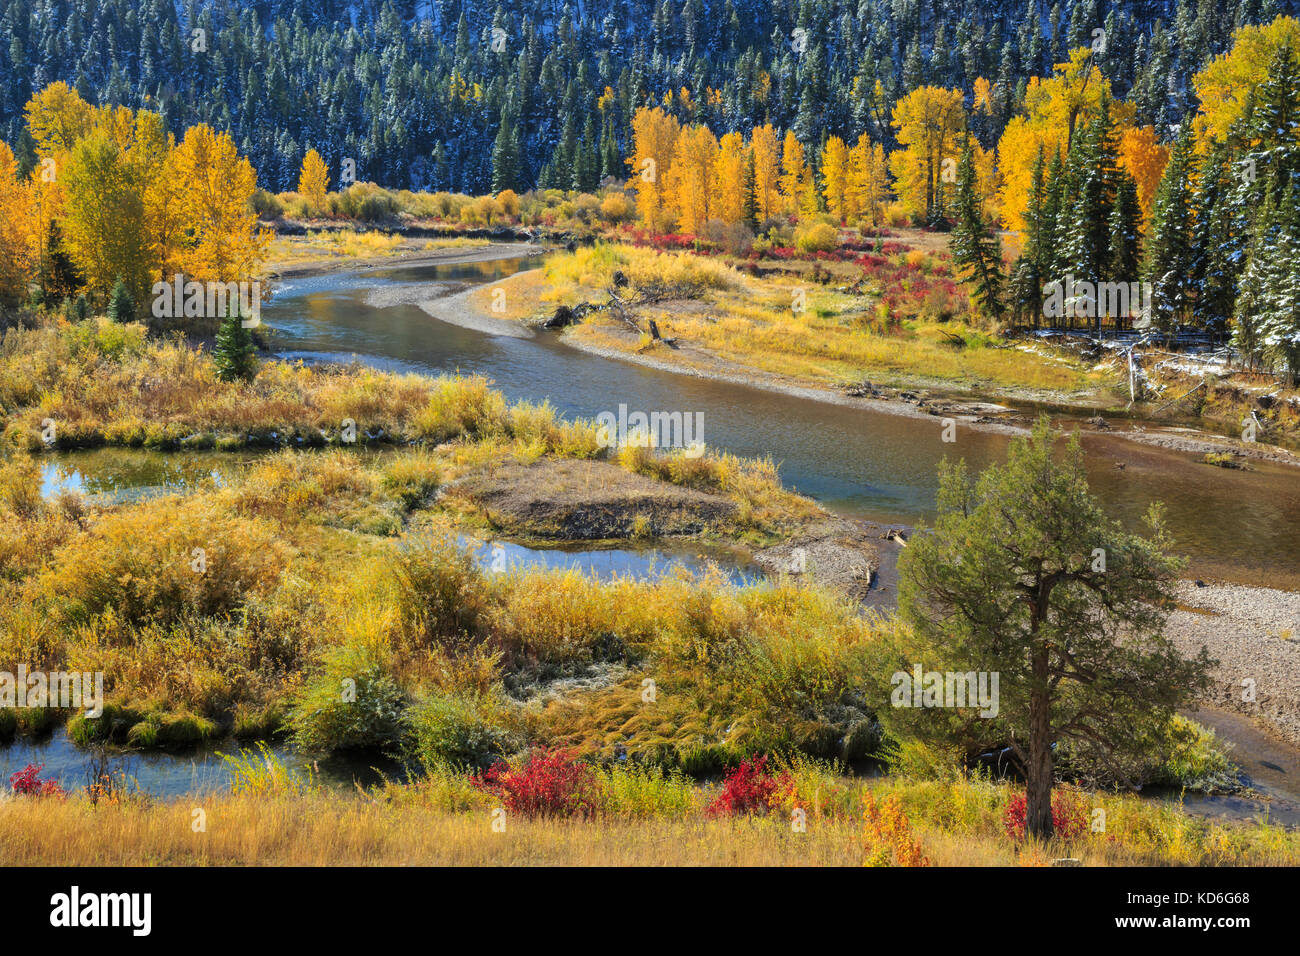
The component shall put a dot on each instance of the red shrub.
(27, 782)
(750, 788)
(1069, 816)
(548, 784)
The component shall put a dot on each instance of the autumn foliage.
(887, 834)
(112, 191)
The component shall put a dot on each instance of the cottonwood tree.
(1025, 575)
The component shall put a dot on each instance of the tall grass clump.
(349, 703)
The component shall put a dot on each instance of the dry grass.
(835, 337)
(443, 821)
(322, 831)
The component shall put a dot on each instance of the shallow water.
(1235, 525)
(166, 775)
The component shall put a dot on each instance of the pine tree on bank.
(976, 251)
(1026, 576)
(121, 307)
(1170, 257)
(1034, 264)
(235, 356)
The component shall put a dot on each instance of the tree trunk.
(1038, 798)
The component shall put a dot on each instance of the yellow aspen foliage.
(654, 141)
(691, 178)
(836, 178)
(796, 177)
(218, 183)
(982, 101)
(1054, 109)
(104, 222)
(868, 180)
(57, 117)
(1145, 158)
(929, 121)
(18, 243)
(314, 180)
(767, 171)
(1226, 82)
(729, 174)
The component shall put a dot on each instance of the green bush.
(464, 732)
(351, 704)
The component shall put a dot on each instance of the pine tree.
(1169, 260)
(1255, 289)
(751, 198)
(1031, 269)
(1278, 321)
(121, 307)
(1125, 234)
(975, 248)
(1216, 244)
(505, 155)
(1093, 163)
(235, 356)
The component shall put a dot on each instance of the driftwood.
(617, 306)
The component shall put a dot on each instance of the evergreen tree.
(1215, 243)
(751, 199)
(235, 356)
(1275, 287)
(505, 155)
(1030, 271)
(1094, 176)
(1125, 234)
(121, 307)
(1169, 265)
(976, 251)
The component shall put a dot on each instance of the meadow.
(894, 316)
(811, 815)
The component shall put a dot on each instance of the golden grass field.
(444, 823)
(831, 337)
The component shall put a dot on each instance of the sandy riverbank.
(1255, 635)
(404, 256)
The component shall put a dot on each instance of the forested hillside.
(474, 96)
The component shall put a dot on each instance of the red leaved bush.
(1069, 816)
(549, 783)
(27, 782)
(750, 788)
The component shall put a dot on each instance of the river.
(1239, 526)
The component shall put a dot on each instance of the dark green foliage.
(975, 248)
(121, 307)
(235, 356)
(1024, 575)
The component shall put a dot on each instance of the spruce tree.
(1029, 273)
(1216, 244)
(1169, 260)
(975, 248)
(1093, 164)
(1125, 234)
(235, 356)
(121, 307)
(1278, 319)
